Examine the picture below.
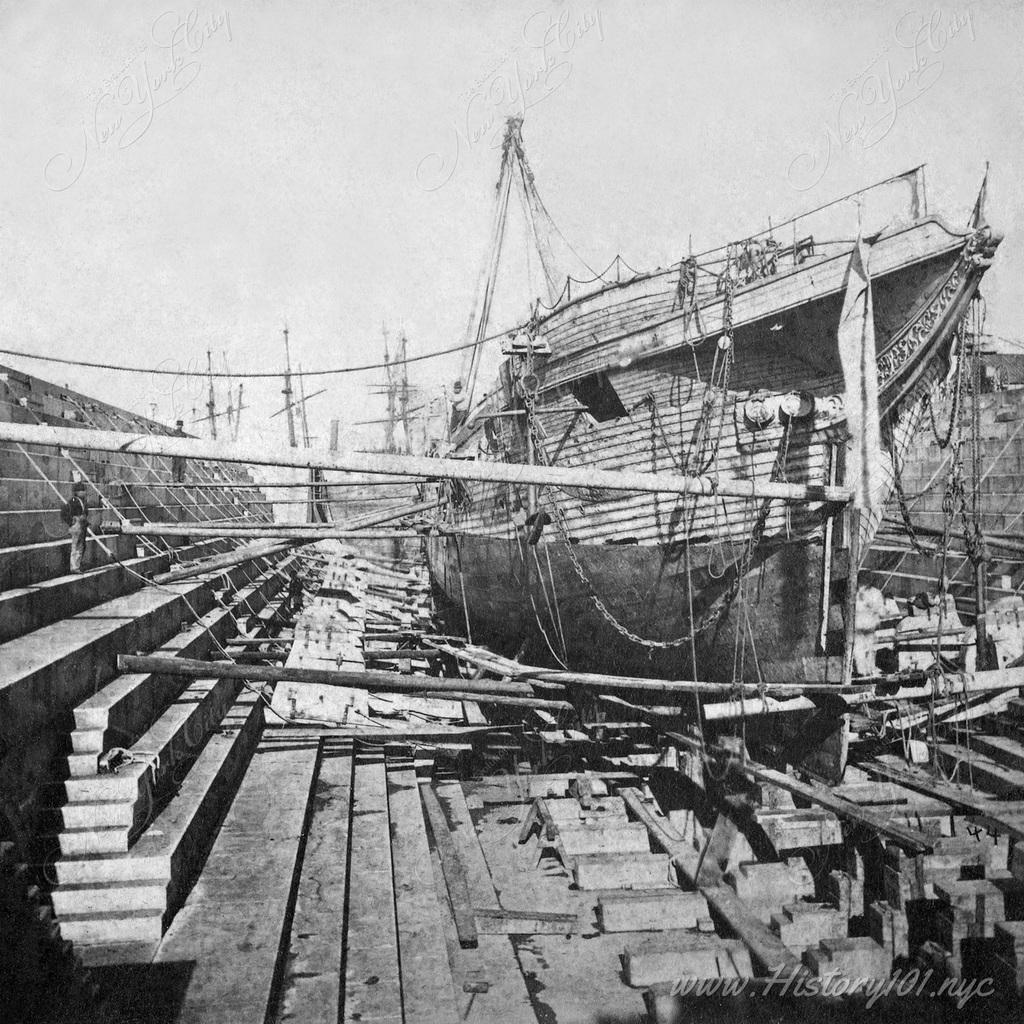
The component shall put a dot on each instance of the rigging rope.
(235, 375)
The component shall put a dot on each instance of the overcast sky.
(177, 178)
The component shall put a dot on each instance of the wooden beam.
(370, 680)
(452, 867)
(242, 524)
(224, 561)
(989, 812)
(281, 532)
(766, 947)
(912, 840)
(412, 465)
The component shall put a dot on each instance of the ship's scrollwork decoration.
(906, 344)
(977, 252)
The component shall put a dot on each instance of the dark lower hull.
(517, 594)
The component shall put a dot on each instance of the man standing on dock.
(76, 515)
(178, 461)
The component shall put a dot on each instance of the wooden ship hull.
(633, 377)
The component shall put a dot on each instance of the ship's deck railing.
(824, 231)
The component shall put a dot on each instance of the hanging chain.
(901, 499)
(702, 452)
(958, 391)
(713, 615)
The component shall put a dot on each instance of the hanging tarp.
(860, 373)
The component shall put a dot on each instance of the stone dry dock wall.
(34, 480)
(64, 706)
(894, 567)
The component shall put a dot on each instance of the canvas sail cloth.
(864, 475)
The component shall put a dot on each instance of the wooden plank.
(963, 799)
(372, 977)
(427, 986)
(526, 922)
(230, 929)
(455, 876)
(311, 985)
(463, 831)
(402, 465)
(765, 946)
(684, 857)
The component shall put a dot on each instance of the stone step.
(77, 842)
(163, 753)
(132, 927)
(109, 897)
(172, 848)
(110, 954)
(46, 673)
(122, 710)
(28, 608)
(95, 813)
(29, 564)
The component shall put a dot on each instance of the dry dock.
(210, 848)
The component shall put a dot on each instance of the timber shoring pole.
(255, 527)
(406, 465)
(370, 680)
(767, 948)
(850, 604)
(282, 533)
(223, 561)
(864, 689)
(913, 840)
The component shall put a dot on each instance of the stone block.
(845, 892)
(671, 956)
(801, 925)
(853, 958)
(975, 905)
(1009, 955)
(622, 871)
(767, 888)
(889, 928)
(661, 910)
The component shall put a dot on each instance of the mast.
(287, 391)
(211, 404)
(238, 415)
(389, 384)
(403, 392)
(302, 409)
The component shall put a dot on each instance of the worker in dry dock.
(76, 515)
(178, 461)
(459, 410)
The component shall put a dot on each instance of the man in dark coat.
(177, 462)
(76, 515)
